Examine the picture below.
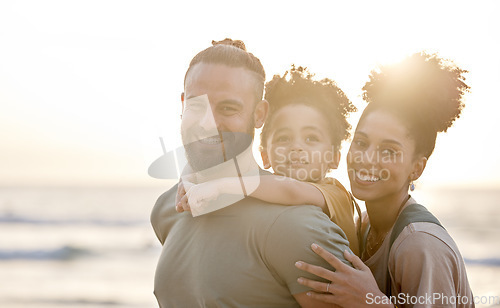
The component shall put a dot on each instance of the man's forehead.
(208, 76)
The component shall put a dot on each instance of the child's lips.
(298, 163)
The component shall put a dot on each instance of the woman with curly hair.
(407, 258)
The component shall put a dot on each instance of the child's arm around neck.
(269, 188)
(288, 191)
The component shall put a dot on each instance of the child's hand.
(183, 205)
(200, 195)
(181, 200)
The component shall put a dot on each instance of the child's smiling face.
(299, 144)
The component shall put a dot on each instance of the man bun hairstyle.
(227, 41)
(232, 53)
(424, 91)
(297, 86)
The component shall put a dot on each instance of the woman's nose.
(370, 156)
(362, 157)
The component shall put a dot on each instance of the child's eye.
(282, 139)
(312, 138)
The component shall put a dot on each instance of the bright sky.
(87, 87)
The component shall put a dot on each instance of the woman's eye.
(388, 152)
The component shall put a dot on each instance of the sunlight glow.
(87, 89)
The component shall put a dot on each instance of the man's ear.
(182, 100)
(418, 168)
(334, 164)
(265, 159)
(260, 113)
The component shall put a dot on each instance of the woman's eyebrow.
(391, 141)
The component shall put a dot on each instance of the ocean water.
(94, 247)
(77, 247)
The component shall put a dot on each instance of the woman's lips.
(365, 178)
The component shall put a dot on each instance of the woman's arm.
(349, 287)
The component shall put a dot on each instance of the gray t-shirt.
(240, 256)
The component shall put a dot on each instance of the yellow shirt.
(341, 209)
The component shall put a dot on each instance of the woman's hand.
(349, 287)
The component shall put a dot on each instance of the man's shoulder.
(280, 213)
(289, 240)
(301, 213)
(303, 219)
(163, 208)
(165, 199)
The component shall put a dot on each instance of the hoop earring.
(412, 186)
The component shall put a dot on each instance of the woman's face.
(381, 160)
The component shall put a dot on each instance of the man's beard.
(215, 150)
